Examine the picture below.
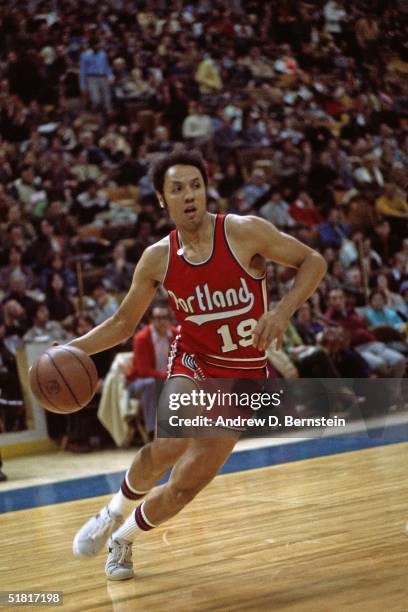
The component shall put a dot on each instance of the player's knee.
(161, 453)
(144, 460)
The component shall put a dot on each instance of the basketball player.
(213, 267)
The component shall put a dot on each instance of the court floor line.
(59, 465)
(103, 484)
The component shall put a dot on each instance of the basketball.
(63, 379)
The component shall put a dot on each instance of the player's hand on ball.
(271, 327)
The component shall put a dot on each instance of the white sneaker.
(119, 564)
(92, 536)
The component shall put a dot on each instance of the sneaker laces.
(125, 553)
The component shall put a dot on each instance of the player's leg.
(191, 473)
(195, 460)
(149, 465)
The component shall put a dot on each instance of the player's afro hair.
(179, 156)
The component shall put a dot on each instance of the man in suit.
(149, 365)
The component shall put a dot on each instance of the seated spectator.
(404, 253)
(393, 300)
(231, 181)
(336, 274)
(144, 231)
(360, 214)
(89, 203)
(380, 314)
(95, 153)
(141, 85)
(308, 324)
(334, 16)
(392, 203)
(160, 143)
(225, 140)
(61, 307)
(149, 366)
(17, 290)
(12, 413)
(290, 130)
(354, 285)
(114, 146)
(403, 310)
(379, 357)
(310, 360)
(277, 211)
(15, 256)
(286, 63)
(330, 255)
(238, 204)
(340, 161)
(63, 224)
(398, 271)
(252, 133)
(119, 272)
(234, 113)
(303, 210)
(369, 175)
(287, 164)
(17, 235)
(333, 232)
(197, 126)
(16, 215)
(257, 187)
(371, 259)
(347, 361)
(15, 319)
(45, 246)
(29, 190)
(321, 179)
(385, 242)
(105, 304)
(57, 264)
(367, 34)
(121, 79)
(83, 170)
(43, 328)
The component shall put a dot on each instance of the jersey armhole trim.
(231, 250)
(168, 259)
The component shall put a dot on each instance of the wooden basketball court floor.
(320, 533)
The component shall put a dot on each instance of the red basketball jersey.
(216, 303)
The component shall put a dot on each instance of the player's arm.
(148, 274)
(283, 249)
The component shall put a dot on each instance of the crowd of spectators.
(299, 109)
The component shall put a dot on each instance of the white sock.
(123, 504)
(136, 522)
